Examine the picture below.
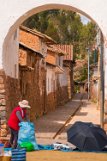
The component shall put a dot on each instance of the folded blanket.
(55, 146)
(45, 147)
(62, 147)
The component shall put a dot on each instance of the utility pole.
(88, 74)
(88, 52)
(98, 98)
(101, 83)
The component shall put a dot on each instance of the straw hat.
(24, 104)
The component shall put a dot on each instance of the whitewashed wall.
(105, 71)
(63, 79)
(50, 80)
(14, 12)
(10, 56)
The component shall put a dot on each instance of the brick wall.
(30, 40)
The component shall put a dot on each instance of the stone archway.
(9, 42)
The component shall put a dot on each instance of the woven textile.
(18, 155)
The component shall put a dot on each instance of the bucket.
(7, 151)
(1, 149)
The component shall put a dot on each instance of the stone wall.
(3, 131)
(31, 85)
(12, 97)
(9, 98)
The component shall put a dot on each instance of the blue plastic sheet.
(27, 134)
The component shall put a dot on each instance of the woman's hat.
(24, 104)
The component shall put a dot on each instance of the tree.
(65, 27)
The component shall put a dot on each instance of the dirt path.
(65, 156)
(87, 112)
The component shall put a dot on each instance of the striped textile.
(18, 155)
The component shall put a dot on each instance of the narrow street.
(53, 126)
(53, 58)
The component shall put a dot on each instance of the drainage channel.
(69, 119)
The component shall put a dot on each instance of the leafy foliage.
(65, 27)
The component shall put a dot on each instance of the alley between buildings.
(53, 126)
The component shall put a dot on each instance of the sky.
(84, 19)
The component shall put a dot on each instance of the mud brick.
(1, 79)
(2, 102)
(2, 86)
(3, 121)
(2, 96)
(2, 117)
(2, 73)
(2, 114)
(3, 132)
(2, 108)
(4, 126)
(2, 91)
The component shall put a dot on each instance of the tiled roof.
(48, 39)
(24, 45)
(68, 49)
(56, 50)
